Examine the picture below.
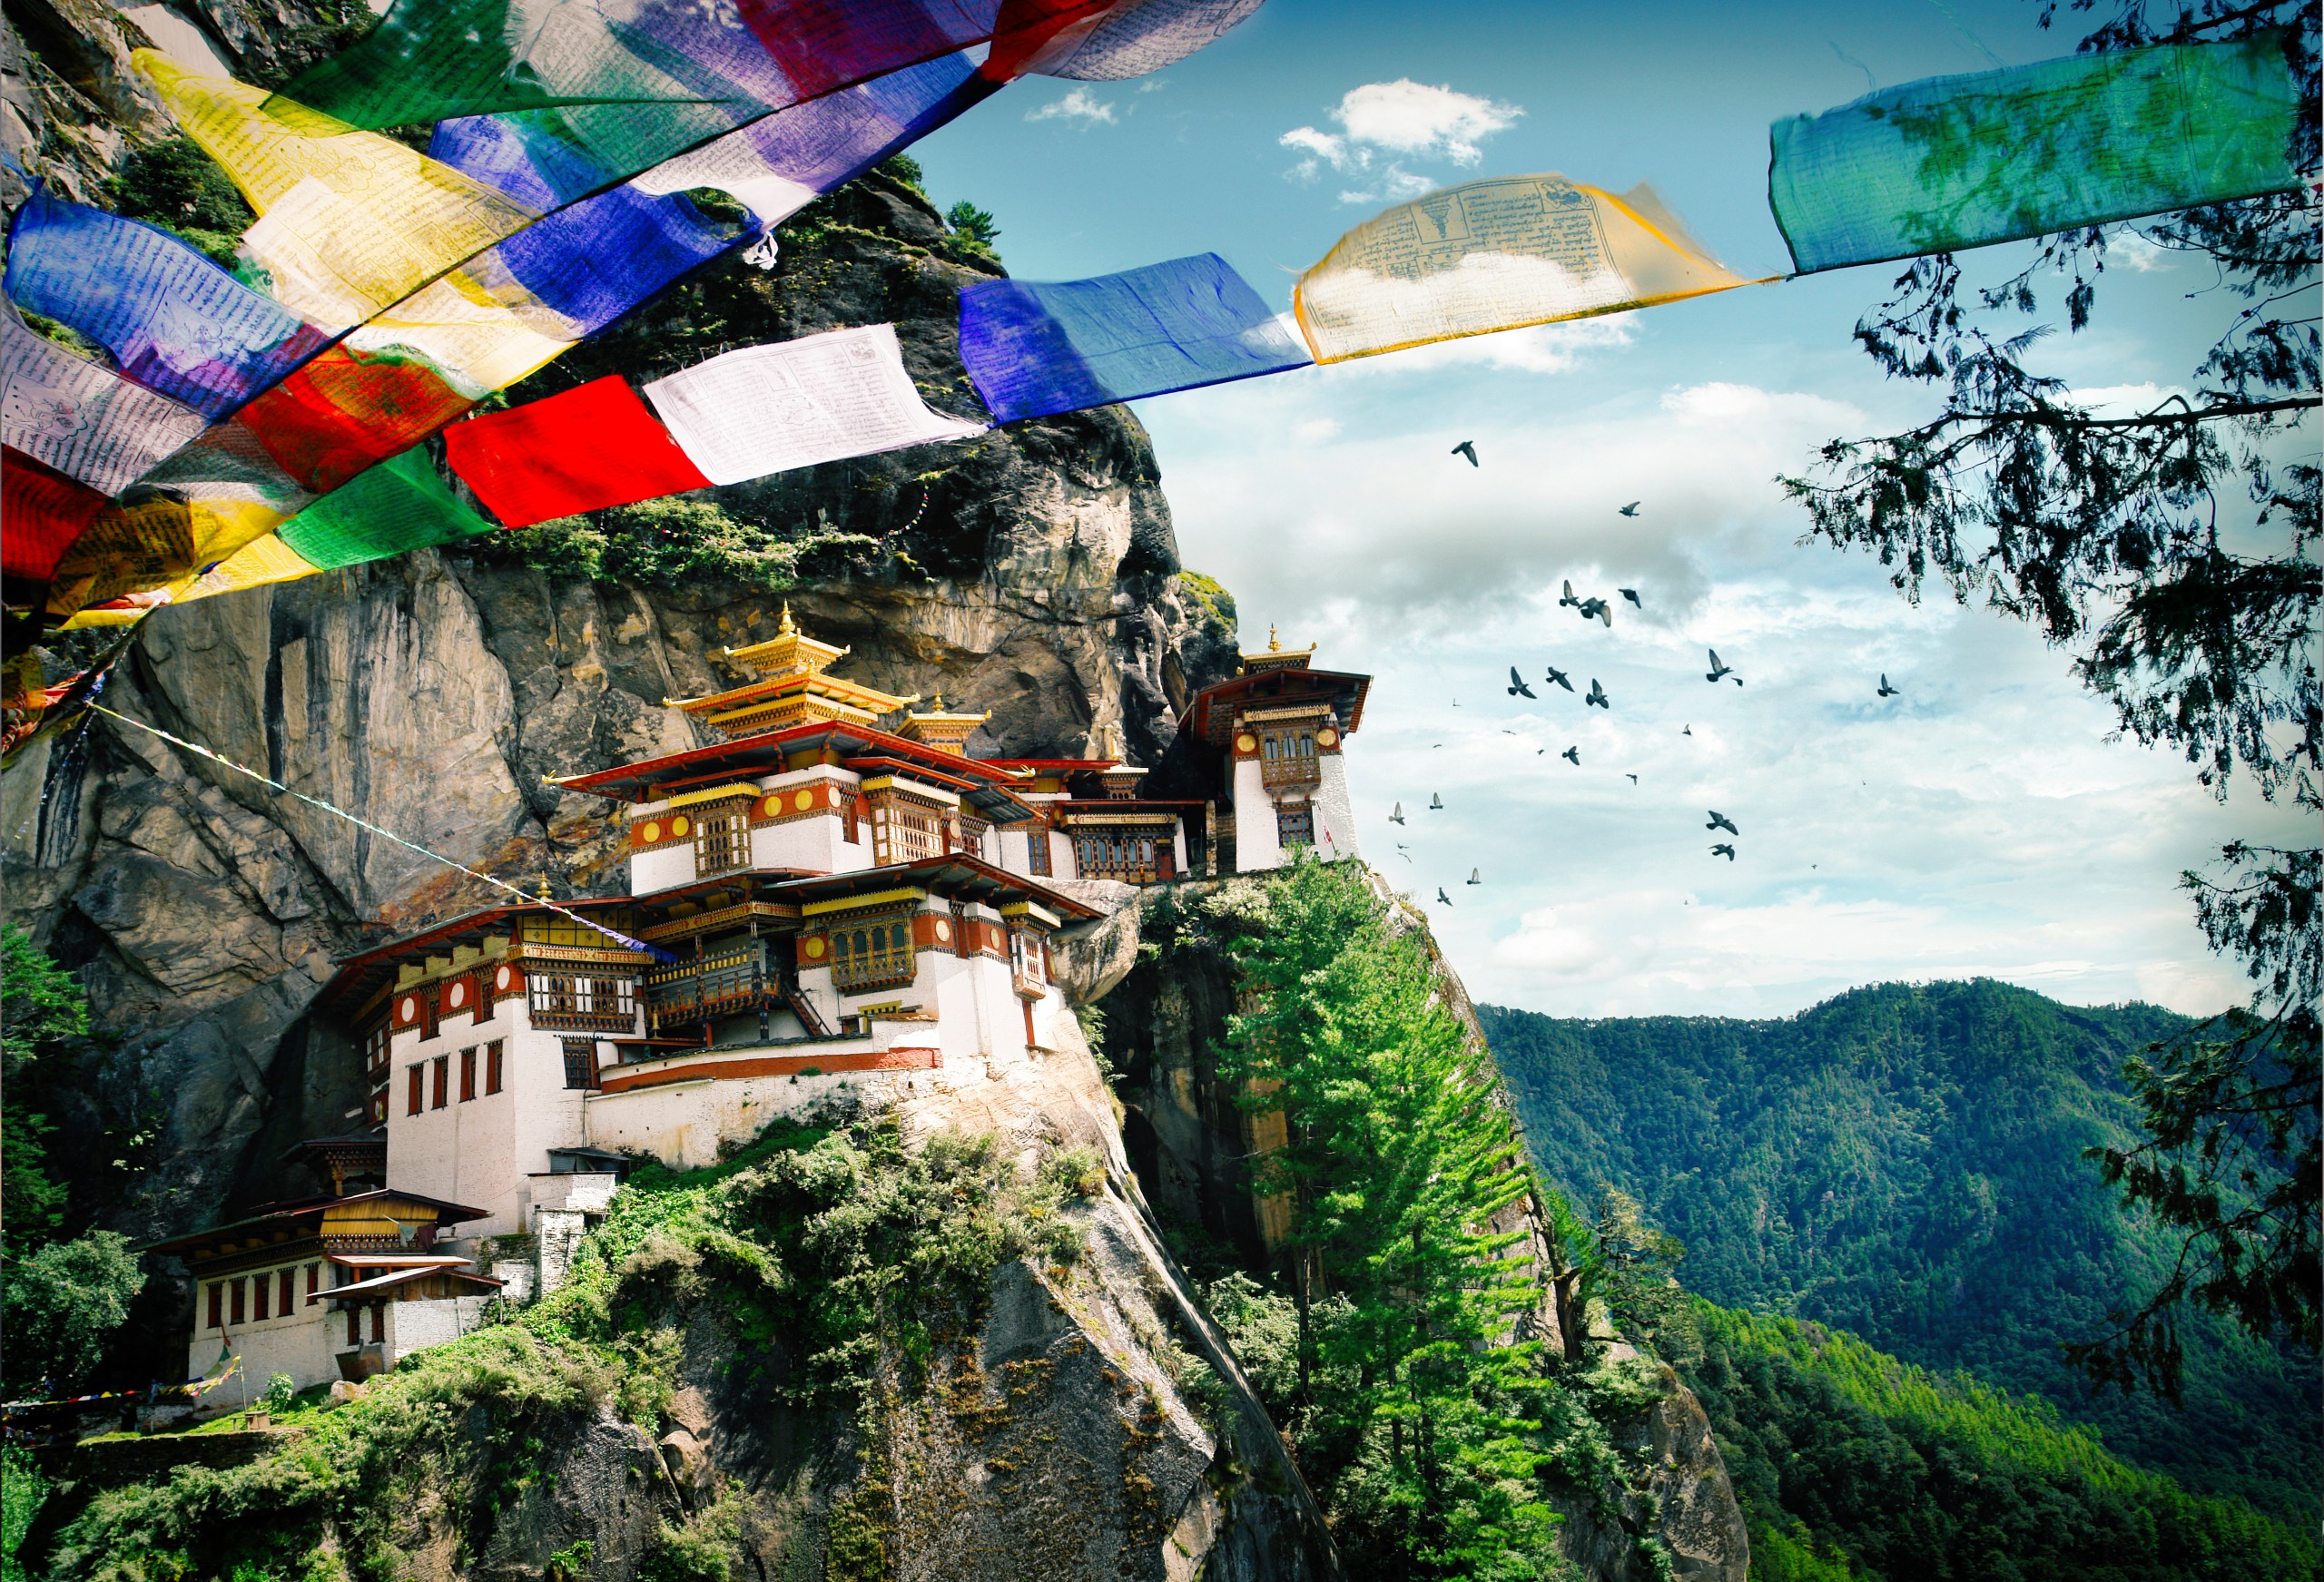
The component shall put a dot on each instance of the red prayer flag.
(42, 512)
(345, 412)
(590, 447)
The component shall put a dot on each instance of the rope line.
(620, 939)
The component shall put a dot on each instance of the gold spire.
(1272, 646)
(786, 629)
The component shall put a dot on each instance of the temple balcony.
(1298, 771)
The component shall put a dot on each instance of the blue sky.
(1979, 823)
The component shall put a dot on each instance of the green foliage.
(974, 223)
(1217, 604)
(61, 1306)
(1852, 1465)
(41, 1003)
(23, 1488)
(1425, 1429)
(1901, 1162)
(281, 1394)
(903, 168)
(175, 185)
(816, 1246)
(2173, 552)
(670, 542)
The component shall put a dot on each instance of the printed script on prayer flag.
(770, 408)
(1961, 162)
(1498, 254)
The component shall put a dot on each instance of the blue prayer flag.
(1033, 349)
(172, 319)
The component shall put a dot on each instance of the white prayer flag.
(769, 408)
(80, 416)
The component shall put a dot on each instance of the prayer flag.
(172, 319)
(345, 412)
(350, 221)
(135, 550)
(1498, 254)
(80, 416)
(1137, 37)
(399, 505)
(583, 451)
(42, 513)
(823, 398)
(1962, 161)
(1033, 348)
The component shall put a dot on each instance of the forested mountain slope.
(1903, 1162)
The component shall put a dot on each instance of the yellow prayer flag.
(350, 221)
(1498, 254)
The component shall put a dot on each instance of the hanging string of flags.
(240, 430)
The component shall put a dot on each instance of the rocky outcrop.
(1166, 1008)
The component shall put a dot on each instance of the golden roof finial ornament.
(786, 629)
(1272, 646)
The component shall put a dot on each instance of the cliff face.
(1190, 1142)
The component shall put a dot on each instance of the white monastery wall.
(1334, 813)
(1256, 845)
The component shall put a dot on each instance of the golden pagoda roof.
(790, 652)
(790, 689)
(1277, 657)
(940, 729)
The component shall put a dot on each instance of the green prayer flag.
(435, 59)
(1962, 161)
(397, 506)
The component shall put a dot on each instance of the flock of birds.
(1599, 610)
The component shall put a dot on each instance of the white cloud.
(1080, 104)
(1403, 118)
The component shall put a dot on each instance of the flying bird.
(1633, 780)
(1597, 696)
(1631, 509)
(1435, 802)
(1723, 850)
(1475, 878)
(1517, 687)
(1885, 690)
(1402, 852)
(1719, 821)
(1507, 731)
(1569, 598)
(1396, 816)
(1573, 756)
(1467, 447)
(1718, 669)
(1685, 729)
(1558, 678)
(1632, 594)
(1596, 610)
(1441, 898)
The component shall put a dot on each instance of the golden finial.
(1272, 646)
(940, 703)
(786, 629)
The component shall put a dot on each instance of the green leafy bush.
(666, 542)
(175, 185)
(61, 1305)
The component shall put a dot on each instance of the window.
(905, 832)
(238, 1308)
(443, 1083)
(850, 811)
(379, 1106)
(217, 1306)
(492, 1067)
(721, 843)
(1037, 853)
(379, 1321)
(1295, 824)
(1025, 958)
(286, 1293)
(375, 1052)
(972, 830)
(314, 1284)
(596, 1003)
(354, 1328)
(875, 951)
(259, 1284)
(580, 1062)
(468, 1074)
(1289, 758)
(413, 1105)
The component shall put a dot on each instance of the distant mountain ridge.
(1903, 1162)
